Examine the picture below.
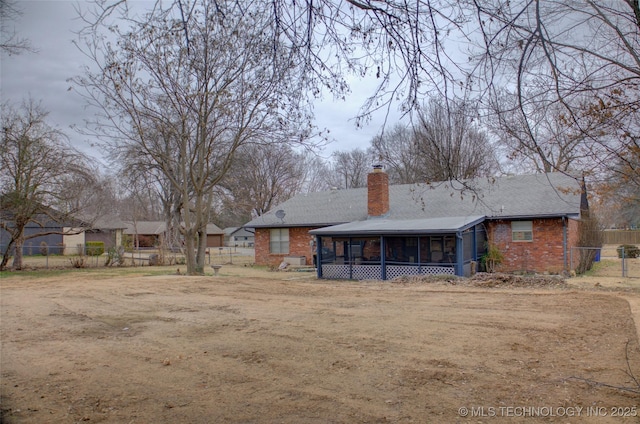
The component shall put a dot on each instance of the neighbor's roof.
(230, 230)
(145, 227)
(108, 222)
(213, 229)
(408, 226)
(159, 227)
(521, 196)
(239, 231)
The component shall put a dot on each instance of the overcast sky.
(43, 76)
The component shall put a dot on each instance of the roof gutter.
(540, 216)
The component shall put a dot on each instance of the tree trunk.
(5, 256)
(189, 246)
(202, 247)
(17, 258)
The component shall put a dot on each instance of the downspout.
(319, 256)
(564, 243)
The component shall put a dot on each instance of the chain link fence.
(610, 260)
(55, 257)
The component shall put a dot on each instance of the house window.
(279, 241)
(522, 230)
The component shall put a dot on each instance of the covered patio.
(383, 249)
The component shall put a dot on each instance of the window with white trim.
(279, 241)
(522, 230)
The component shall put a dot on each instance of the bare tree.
(570, 67)
(10, 41)
(451, 145)
(150, 189)
(36, 165)
(316, 174)
(406, 48)
(613, 120)
(538, 138)
(184, 87)
(350, 168)
(397, 149)
(619, 196)
(262, 177)
(556, 60)
(547, 55)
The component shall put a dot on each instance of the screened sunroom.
(382, 249)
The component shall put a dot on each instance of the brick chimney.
(378, 192)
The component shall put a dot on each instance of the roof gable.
(213, 229)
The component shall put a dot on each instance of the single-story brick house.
(108, 229)
(384, 231)
(152, 233)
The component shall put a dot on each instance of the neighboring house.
(383, 231)
(152, 234)
(215, 236)
(108, 229)
(146, 233)
(61, 238)
(239, 236)
(65, 235)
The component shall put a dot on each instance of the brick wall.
(543, 254)
(299, 245)
(378, 193)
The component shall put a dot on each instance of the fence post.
(624, 264)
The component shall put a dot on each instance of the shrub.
(115, 256)
(95, 248)
(44, 249)
(492, 259)
(630, 251)
(78, 262)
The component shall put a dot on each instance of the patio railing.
(374, 272)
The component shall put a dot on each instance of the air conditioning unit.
(296, 260)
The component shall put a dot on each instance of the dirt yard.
(257, 347)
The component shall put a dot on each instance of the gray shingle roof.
(159, 227)
(145, 227)
(109, 222)
(230, 230)
(521, 196)
(213, 229)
